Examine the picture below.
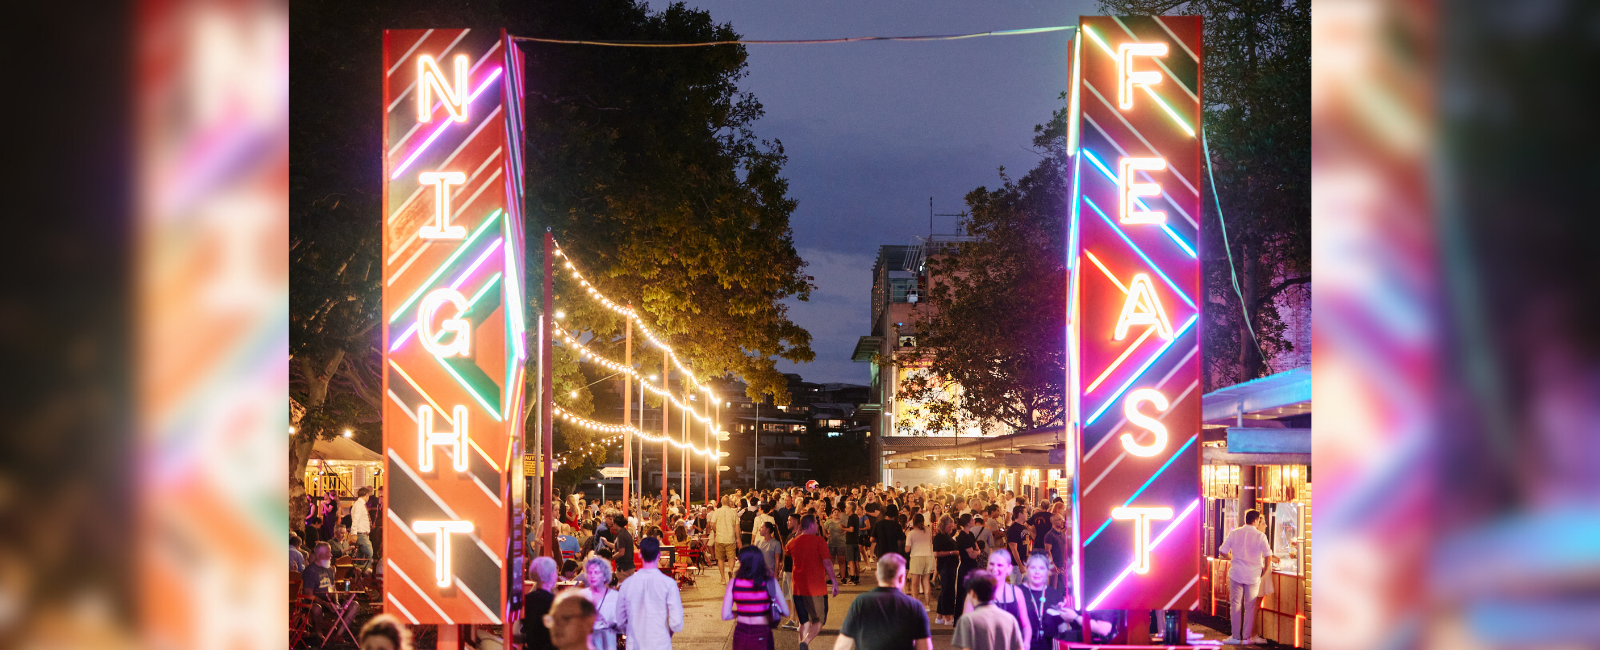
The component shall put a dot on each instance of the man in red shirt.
(812, 565)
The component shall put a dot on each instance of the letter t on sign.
(1141, 517)
(441, 544)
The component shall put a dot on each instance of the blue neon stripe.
(1072, 230)
(1142, 256)
(1144, 487)
(1103, 169)
(1175, 336)
(1179, 240)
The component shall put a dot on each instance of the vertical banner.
(454, 343)
(1134, 304)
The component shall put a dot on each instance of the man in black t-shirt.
(624, 548)
(967, 552)
(886, 534)
(1017, 536)
(885, 618)
(1040, 523)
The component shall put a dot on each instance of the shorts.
(921, 565)
(837, 551)
(855, 553)
(784, 584)
(729, 552)
(811, 608)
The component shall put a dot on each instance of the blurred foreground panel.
(1457, 324)
(211, 128)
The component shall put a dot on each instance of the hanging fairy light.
(586, 354)
(634, 315)
(578, 420)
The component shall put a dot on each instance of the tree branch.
(1269, 295)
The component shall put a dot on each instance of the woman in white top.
(597, 576)
(919, 547)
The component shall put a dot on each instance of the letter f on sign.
(1141, 517)
(1127, 77)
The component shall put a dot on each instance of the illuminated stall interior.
(342, 465)
(1257, 454)
(1028, 462)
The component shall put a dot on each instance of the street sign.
(723, 468)
(453, 324)
(1134, 297)
(614, 472)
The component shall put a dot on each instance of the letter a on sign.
(1143, 307)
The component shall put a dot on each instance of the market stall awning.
(344, 449)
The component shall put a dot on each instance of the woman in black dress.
(944, 553)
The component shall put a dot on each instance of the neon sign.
(1133, 348)
(453, 274)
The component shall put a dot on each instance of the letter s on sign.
(1130, 408)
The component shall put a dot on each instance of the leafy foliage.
(993, 323)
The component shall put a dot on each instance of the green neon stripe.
(429, 282)
(1170, 112)
(481, 401)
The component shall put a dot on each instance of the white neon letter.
(427, 438)
(1141, 516)
(1142, 307)
(441, 182)
(1130, 408)
(441, 544)
(461, 345)
(430, 79)
(1126, 207)
(1127, 77)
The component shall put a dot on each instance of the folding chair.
(299, 611)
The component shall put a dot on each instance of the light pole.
(758, 444)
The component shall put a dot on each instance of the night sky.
(873, 129)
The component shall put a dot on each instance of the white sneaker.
(1232, 641)
(1258, 640)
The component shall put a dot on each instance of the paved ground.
(703, 626)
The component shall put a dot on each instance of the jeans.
(752, 637)
(365, 542)
(1242, 606)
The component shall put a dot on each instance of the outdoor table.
(343, 602)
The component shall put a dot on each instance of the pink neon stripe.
(406, 336)
(402, 168)
(1120, 359)
(1153, 544)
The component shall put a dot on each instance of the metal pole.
(683, 459)
(627, 401)
(638, 478)
(666, 433)
(758, 444)
(705, 472)
(546, 391)
(718, 459)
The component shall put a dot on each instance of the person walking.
(919, 547)
(725, 531)
(538, 602)
(833, 530)
(751, 598)
(986, 627)
(886, 618)
(747, 521)
(597, 579)
(651, 610)
(624, 548)
(1249, 553)
(967, 556)
(852, 527)
(944, 554)
(361, 522)
(570, 620)
(1006, 597)
(887, 537)
(812, 567)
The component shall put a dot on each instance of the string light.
(634, 315)
(567, 416)
(589, 355)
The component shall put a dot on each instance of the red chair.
(299, 611)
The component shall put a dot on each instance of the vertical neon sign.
(453, 324)
(1132, 322)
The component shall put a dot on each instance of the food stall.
(342, 466)
(1257, 454)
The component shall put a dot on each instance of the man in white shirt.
(725, 528)
(360, 523)
(1247, 548)
(651, 610)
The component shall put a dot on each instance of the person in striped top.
(751, 597)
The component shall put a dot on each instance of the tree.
(1258, 124)
(645, 165)
(992, 332)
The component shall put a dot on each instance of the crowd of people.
(968, 556)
